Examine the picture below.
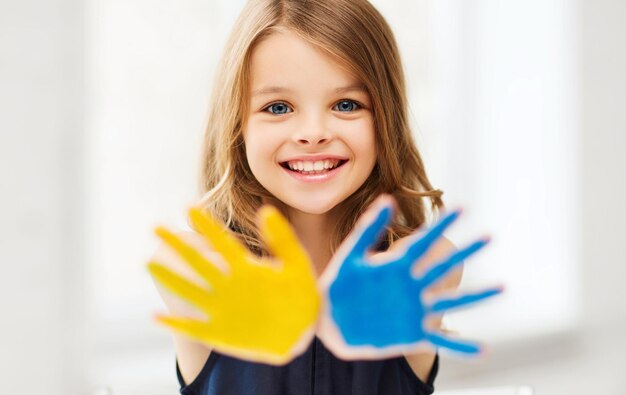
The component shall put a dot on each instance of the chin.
(312, 206)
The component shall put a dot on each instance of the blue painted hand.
(375, 305)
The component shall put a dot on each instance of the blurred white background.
(519, 111)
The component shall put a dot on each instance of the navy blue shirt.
(316, 372)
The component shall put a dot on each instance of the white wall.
(603, 170)
(42, 287)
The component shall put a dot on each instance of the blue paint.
(382, 305)
(445, 304)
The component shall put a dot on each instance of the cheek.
(261, 142)
(362, 139)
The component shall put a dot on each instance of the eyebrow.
(280, 89)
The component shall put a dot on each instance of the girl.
(309, 114)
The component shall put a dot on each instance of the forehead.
(284, 59)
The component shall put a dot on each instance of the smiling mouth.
(285, 165)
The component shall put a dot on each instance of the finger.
(282, 241)
(195, 329)
(463, 300)
(462, 346)
(207, 270)
(371, 227)
(180, 286)
(220, 239)
(352, 250)
(439, 270)
(423, 243)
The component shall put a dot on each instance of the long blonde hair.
(355, 34)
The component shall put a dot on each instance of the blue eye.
(347, 106)
(278, 108)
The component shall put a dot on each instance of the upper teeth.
(311, 166)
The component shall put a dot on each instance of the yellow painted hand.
(259, 309)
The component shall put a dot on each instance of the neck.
(314, 232)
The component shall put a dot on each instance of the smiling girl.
(309, 114)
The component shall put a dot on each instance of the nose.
(312, 131)
(311, 140)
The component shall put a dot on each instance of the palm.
(391, 320)
(259, 309)
(376, 307)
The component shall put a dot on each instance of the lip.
(315, 178)
(313, 158)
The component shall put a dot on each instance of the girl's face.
(310, 130)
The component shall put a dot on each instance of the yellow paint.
(262, 308)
